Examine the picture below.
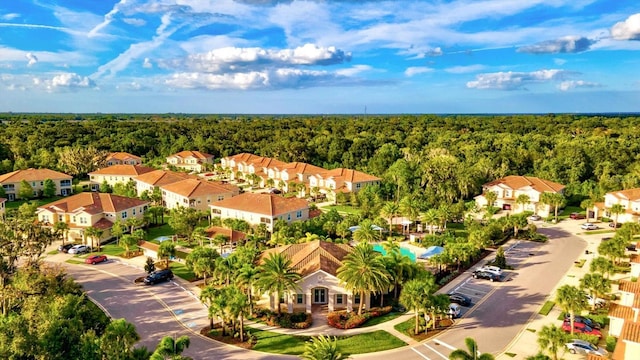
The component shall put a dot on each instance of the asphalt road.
(155, 310)
(499, 315)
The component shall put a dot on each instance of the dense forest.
(433, 158)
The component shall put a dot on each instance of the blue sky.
(320, 56)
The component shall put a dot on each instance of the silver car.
(584, 347)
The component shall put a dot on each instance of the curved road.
(494, 321)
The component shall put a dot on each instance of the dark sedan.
(479, 274)
(65, 248)
(460, 299)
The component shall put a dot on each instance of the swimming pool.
(403, 251)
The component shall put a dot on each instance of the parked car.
(94, 259)
(597, 301)
(492, 269)
(576, 346)
(479, 274)
(632, 247)
(577, 216)
(535, 217)
(79, 249)
(454, 310)
(158, 276)
(589, 226)
(584, 320)
(65, 248)
(614, 225)
(580, 328)
(460, 299)
(275, 191)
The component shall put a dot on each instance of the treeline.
(437, 159)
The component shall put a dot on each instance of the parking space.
(475, 289)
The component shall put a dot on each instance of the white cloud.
(567, 44)
(70, 80)
(108, 18)
(147, 64)
(559, 62)
(628, 29)
(415, 70)
(9, 16)
(465, 69)
(32, 59)
(135, 21)
(572, 84)
(354, 70)
(516, 80)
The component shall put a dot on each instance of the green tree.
(472, 354)
(366, 232)
(184, 220)
(127, 242)
(500, 260)
(413, 294)
(491, 198)
(554, 200)
(613, 249)
(596, 285)
(117, 229)
(202, 261)
(166, 251)
(49, 188)
(587, 205)
(61, 228)
(603, 266)
(25, 191)
(390, 210)
(277, 277)
(118, 340)
(363, 272)
(572, 300)
(171, 348)
(523, 200)
(105, 187)
(245, 279)
(322, 348)
(93, 234)
(552, 339)
(616, 210)
(208, 295)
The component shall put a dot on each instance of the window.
(220, 197)
(507, 193)
(83, 220)
(33, 183)
(339, 299)
(41, 183)
(265, 220)
(299, 214)
(65, 183)
(358, 185)
(45, 218)
(288, 217)
(73, 219)
(299, 298)
(60, 217)
(123, 215)
(216, 211)
(356, 299)
(133, 211)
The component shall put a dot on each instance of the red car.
(94, 259)
(577, 216)
(580, 328)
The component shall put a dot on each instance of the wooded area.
(437, 159)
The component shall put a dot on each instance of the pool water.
(403, 251)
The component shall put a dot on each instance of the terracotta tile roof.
(628, 286)
(232, 235)
(307, 258)
(93, 203)
(635, 258)
(621, 348)
(195, 154)
(195, 187)
(595, 357)
(516, 182)
(148, 245)
(163, 177)
(124, 170)
(301, 168)
(265, 162)
(2, 200)
(33, 175)
(265, 204)
(636, 302)
(122, 156)
(621, 312)
(348, 175)
(631, 332)
(243, 157)
(629, 194)
(103, 224)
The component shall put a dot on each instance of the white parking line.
(436, 351)
(440, 342)
(419, 353)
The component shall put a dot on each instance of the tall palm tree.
(322, 348)
(616, 210)
(412, 295)
(118, 339)
(572, 300)
(389, 211)
(400, 268)
(522, 200)
(491, 198)
(596, 285)
(94, 234)
(430, 218)
(603, 266)
(587, 204)
(473, 354)
(409, 208)
(277, 277)
(238, 306)
(207, 295)
(61, 229)
(167, 250)
(127, 241)
(245, 279)
(366, 232)
(171, 348)
(363, 272)
(552, 339)
(555, 200)
(202, 261)
(437, 304)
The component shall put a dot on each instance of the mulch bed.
(215, 335)
(444, 325)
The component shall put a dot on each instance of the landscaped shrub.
(350, 320)
(300, 320)
(611, 343)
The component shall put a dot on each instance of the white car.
(584, 347)
(589, 226)
(454, 310)
(535, 217)
(597, 302)
(79, 249)
(492, 269)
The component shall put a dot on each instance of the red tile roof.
(232, 235)
(620, 350)
(631, 332)
(307, 258)
(348, 175)
(629, 194)
(194, 187)
(33, 175)
(265, 204)
(518, 182)
(163, 177)
(195, 154)
(122, 156)
(301, 168)
(124, 170)
(621, 311)
(103, 224)
(93, 203)
(629, 286)
(635, 258)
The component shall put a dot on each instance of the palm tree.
(277, 277)
(118, 339)
(322, 348)
(596, 284)
(207, 295)
(61, 228)
(572, 300)
(202, 261)
(555, 200)
(127, 241)
(437, 304)
(412, 295)
(430, 218)
(133, 223)
(390, 210)
(587, 204)
(616, 210)
(400, 268)
(199, 234)
(491, 197)
(523, 200)
(167, 250)
(473, 354)
(603, 266)
(94, 234)
(552, 339)
(171, 348)
(245, 278)
(238, 306)
(366, 232)
(409, 208)
(363, 272)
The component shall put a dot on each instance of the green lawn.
(294, 345)
(52, 252)
(181, 270)
(112, 250)
(405, 326)
(381, 319)
(343, 209)
(16, 203)
(156, 231)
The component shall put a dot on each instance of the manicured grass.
(546, 308)
(381, 319)
(405, 326)
(343, 209)
(182, 271)
(71, 261)
(113, 250)
(564, 213)
(510, 354)
(294, 345)
(53, 252)
(16, 203)
(156, 231)
(580, 263)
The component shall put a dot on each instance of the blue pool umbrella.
(431, 251)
